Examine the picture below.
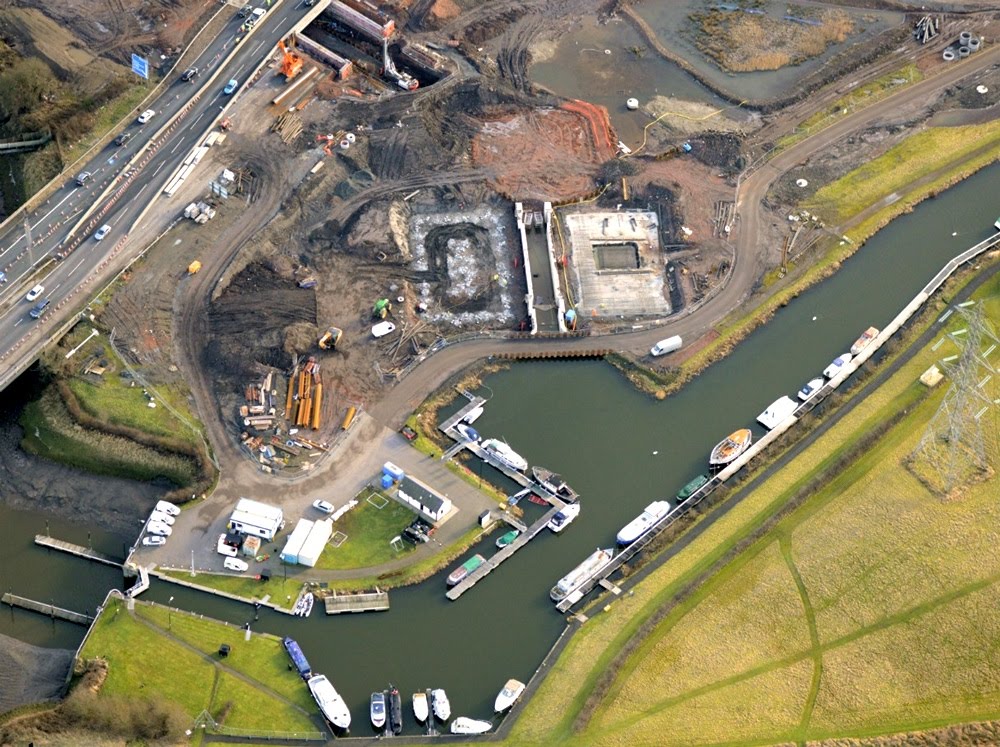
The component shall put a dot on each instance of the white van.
(257, 14)
(668, 345)
(235, 564)
(223, 549)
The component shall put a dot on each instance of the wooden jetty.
(501, 555)
(363, 601)
(450, 423)
(79, 550)
(49, 610)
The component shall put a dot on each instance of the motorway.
(125, 181)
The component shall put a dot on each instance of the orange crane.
(291, 62)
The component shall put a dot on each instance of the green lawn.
(262, 657)
(107, 117)
(866, 611)
(369, 531)
(278, 588)
(144, 661)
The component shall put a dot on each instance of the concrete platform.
(618, 263)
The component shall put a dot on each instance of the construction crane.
(404, 80)
(291, 61)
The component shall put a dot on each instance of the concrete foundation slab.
(618, 263)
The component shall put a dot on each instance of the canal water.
(619, 448)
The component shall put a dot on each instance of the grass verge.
(369, 530)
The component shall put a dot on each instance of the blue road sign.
(140, 66)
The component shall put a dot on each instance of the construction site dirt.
(368, 204)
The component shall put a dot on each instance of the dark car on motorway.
(190, 74)
(123, 138)
(39, 308)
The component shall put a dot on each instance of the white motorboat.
(565, 516)
(440, 704)
(376, 709)
(304, 606)
(811, 388)
(420, 709)
(508, 696)
(467, 432)
(473, 415)
(501, 451)
(643, 522)
(837, 365)
(777, 412)
(329, 701)
(581, 574)
(466, 725)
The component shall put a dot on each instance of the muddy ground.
(31, 674)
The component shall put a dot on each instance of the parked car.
(146, 116)
(408, 433)
(246, 10)
(158, 527)
(162, 518)
(39, 308)
(235, 564)
(190, 74)
(223, 549)
(409, 538)
(231, 86)
(154, 540)
(668, 345)
(102, 232)
(167, 508)
(35, 292)
(82, 178)
(324, 506)
(123, 138)
(415, 534)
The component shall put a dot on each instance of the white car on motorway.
(324, 506)
(35, 292)
(146, 116)
(166, 507)
(235, 564)
(154, 540)
(158, 527)
(162, 518)
(102, 232)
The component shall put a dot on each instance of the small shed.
(422, 499)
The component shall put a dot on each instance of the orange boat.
(862, 342)
(730, 447)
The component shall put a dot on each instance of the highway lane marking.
(55, 289)
(257, 48)
(77, 267)
(21, 236)
(176, 146)
(197, 118)
(19, 321)
(157, 169)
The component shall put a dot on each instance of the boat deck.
(364, 601)
(78, 550)
(494, 561)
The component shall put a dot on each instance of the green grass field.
(278, 588)
(369, 531)
(146, 656)
(866, 611)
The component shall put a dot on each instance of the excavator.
(291, 61)
(330, 338)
